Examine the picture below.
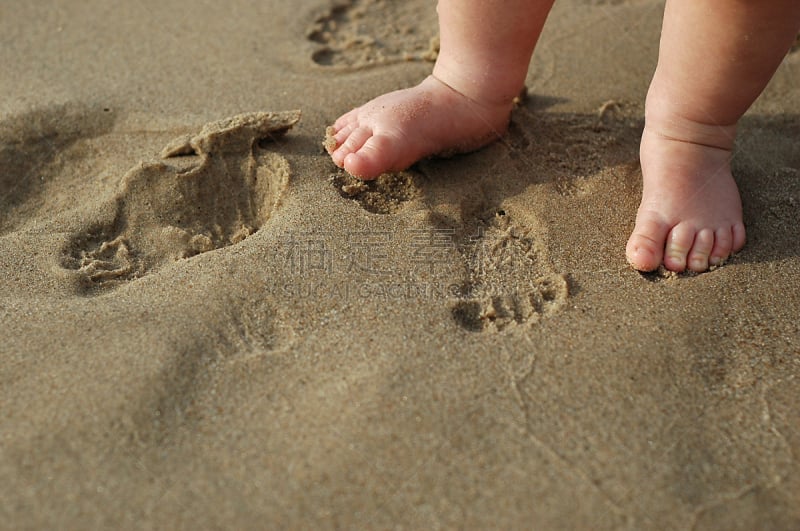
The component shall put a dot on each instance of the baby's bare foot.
(691, 214)
(393, 131)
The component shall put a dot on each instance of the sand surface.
(241, 336)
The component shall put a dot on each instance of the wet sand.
(206, 324)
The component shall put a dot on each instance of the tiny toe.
(645, 247)
(345, 119)
(723, 243)
(679, 242)
(739, 237)
(375, 157)
(351, 144)
(343, 133)
(701, 249)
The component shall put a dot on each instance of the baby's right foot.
(393, 131)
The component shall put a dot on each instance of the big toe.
(645, 249)
(376, 156)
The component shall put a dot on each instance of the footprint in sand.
(362, 33)
(222, 191)
(507, 282)
(384, 195)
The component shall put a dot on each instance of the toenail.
(714, 260)
(699, 263)
(678, 261)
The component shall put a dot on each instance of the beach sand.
(242, 336)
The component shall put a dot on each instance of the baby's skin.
(715, 58)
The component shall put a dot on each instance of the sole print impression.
(507, 282)
(223, 191)
(364, 33)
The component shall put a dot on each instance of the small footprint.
(361, 33)
(507, 284)
(384, 195)
(224, 190)
(522, 307)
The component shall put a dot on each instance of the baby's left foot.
(690, 216)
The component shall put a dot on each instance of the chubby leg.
(715, 58)
(485, 50)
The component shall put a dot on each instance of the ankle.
(494, 116)
(666, 119)
(680, 129)
(486, 87)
